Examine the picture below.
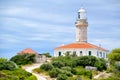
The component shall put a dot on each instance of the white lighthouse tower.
(81, 47)
(81, 26)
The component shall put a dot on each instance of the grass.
(41, 71)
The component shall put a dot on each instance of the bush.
(58, 64)
(17, 74)
(100, 64)
(66, 68)
(38, 70)
(88, 74)
(46, 67)
(117, 66)
(53, 73)
(31, 78)
(68, 73)
(47, 54)
(62, 77)
(9, 65)
(80, 70)
(3, 60)
(73, 70)
(86, 61)
(23, 59)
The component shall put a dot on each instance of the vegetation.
(114, 55)
(10, 71)
(71, 67)
(8, 65)
(17, 74)
(114, 68)
(23, 59)
(100, 64)
(46, 67)
(47, 54)
(3, 60)
(62, 77)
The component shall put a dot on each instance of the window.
(74, 54)
(100, 54)
(90, 53)
(80, 53)
(79, 15)
(97, 54)
(104, 56)
(59, 53)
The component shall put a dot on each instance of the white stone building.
(81, 47)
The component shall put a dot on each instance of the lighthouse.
(81, 26)
(81, 47)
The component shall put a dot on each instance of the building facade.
(81, 47)
(38, 57)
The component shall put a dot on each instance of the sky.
(43, 25)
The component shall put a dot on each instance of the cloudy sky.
(43, 25)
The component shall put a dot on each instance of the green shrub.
(88, 74)
(31, 78)
(53, 73)
(47, 54)
(9, 65)
(3, 60)
(62, 77)
(58, 64)
(80, 70)
(66, 68)
(46, 67)
(100, 64)
(71, 78)
(23, 59)
(38, 70)
(86, 61)
(117, 66)
(16, 74)
(73, 71)
(68, 73)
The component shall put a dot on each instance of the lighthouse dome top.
(81, 10)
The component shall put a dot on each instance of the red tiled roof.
(27, 51)
(79, 45)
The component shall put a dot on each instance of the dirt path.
(31, 67)
(104, 74)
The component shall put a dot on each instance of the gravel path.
(31, 67)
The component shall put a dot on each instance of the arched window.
(80, 53)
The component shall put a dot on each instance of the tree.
(47, 54)
(23, 59)
(114, 55)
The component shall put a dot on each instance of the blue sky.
(43, 25)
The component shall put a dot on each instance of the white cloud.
(107, 43)
(37, 23)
